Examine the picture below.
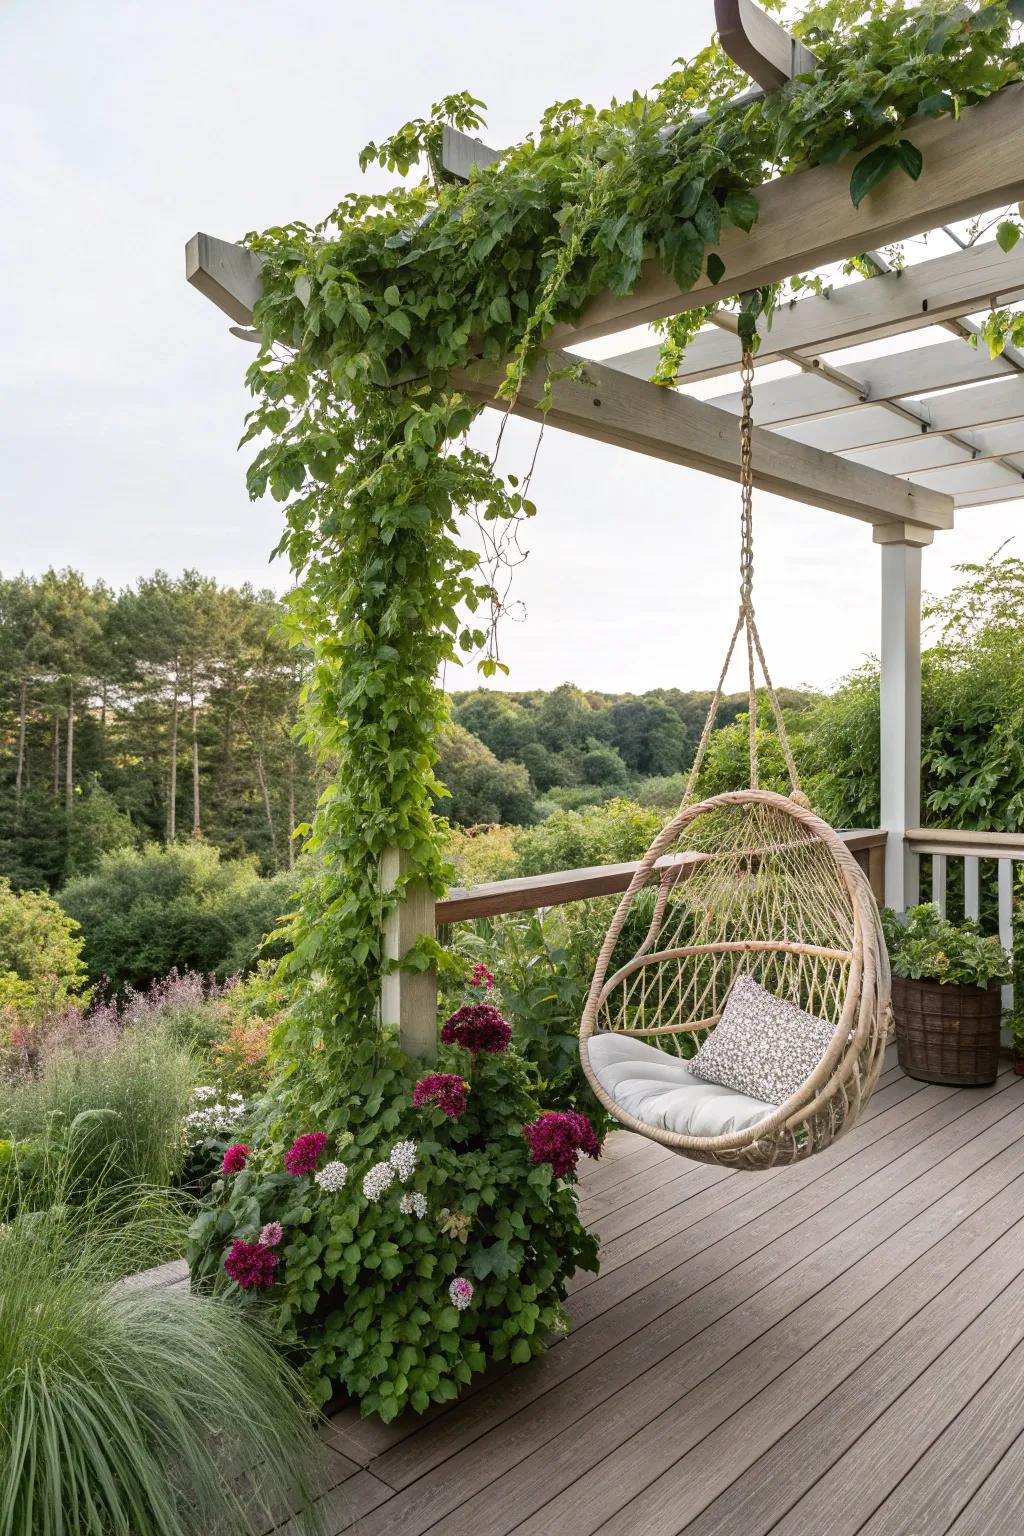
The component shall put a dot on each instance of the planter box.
(947, 1034)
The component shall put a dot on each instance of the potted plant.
(945, 996)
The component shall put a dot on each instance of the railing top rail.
(978, 845)
(532, 891)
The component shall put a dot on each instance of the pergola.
(898, 440)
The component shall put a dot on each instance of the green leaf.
(689, 195)
(868, 172)
(716, 268)
(708, 218)
(520, 1352)
(741, 208)
(399, 321)
(684, 255)
(910, 158)
(392, 295)
(1008, 232)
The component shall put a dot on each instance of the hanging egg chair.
(749, 930)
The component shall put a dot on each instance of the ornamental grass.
(129, 1410)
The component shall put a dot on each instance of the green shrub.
(130, 1410)
(362, 1282)
(481, 854)
(144, 914)
(611, 833)
(41, 969)
(925, 946)
(574, 797)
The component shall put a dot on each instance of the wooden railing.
(411, 997)
(1006, 848)
(554, 890)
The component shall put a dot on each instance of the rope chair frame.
(809, 875)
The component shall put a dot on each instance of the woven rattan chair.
(748, 881)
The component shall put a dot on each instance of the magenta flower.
(444, 1091)
(478, 1027)
(235, 1158)
(271, 1235)
(559, 1137)
(481, 976)
(251, 1265)
(303, 1154)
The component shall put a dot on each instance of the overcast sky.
(129, 125)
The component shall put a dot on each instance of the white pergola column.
(900, 707)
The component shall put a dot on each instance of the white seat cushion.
(658, 1090)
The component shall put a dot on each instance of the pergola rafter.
(869, 309)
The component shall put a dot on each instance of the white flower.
(204, 1093)
(332, 1177)
(379, 1179)
(403, 1159)
(460, 1293)
(413, 1205)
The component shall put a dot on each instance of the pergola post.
(900, 712)
(408, 998)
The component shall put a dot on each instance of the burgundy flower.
(303, 1154)
(559, 1137)
(481, 976)
(445, 1091)
(235, 1158)
(251, 1265)
(478, 1027)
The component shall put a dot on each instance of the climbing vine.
(363, 436)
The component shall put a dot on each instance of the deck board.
(833, 1347)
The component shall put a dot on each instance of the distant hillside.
(514, 757)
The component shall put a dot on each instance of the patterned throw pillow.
(762, 1045)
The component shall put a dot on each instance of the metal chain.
(747, 545)
(747, 479)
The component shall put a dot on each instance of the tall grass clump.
(130, 1410)
(126, 1093)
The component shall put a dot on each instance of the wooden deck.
(833, 1348)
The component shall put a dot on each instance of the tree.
(72, 617)
(603, 765)
(501, 721)
(481, 789)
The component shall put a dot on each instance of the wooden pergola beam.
(631, 413)
(807, 220)
(926, 293)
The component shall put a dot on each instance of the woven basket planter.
(947, 1034)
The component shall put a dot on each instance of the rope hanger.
(745, 620)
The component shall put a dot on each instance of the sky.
(129, 125)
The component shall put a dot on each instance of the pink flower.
(445, 1091)
(271, 1235)
(478, 1027)
(460, 1293)
(559, 1137)
(235, 1158)
(251, 1265)
(481, 976)
(302, 1155)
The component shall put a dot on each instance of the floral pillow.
(762, 1045)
